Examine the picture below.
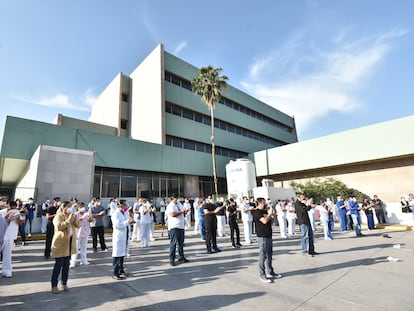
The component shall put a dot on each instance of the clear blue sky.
(333, 64)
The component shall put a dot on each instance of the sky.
(334, 65)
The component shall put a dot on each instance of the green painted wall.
(22, 137)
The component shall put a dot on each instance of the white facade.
(147, 102)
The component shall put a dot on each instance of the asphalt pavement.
(374, 272)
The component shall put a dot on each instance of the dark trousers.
(61, 265)
(211, 234)
(234, 228)
(50, 229)
(98, 231)
(176, 241)
(22, 231)
(380, 214)
(370, 220)
(118, 265)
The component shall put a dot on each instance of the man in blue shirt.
(340, 204)
(356, 218)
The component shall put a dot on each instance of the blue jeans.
(306, 236)
(342, 217)
(265, 256)
(176, 241)
(202, 229)
(370, 220)
(356, 219)
(61, 264)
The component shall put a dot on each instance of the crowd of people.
(68, 225)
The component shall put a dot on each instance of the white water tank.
(241, 176)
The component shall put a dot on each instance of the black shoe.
(316, 253)
(183, 259)
(95, 250)
(117, 277)
(218, 250)
(172, 263)
(209, 251)
(238, 244)
(124, 274)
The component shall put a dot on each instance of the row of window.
(120, 183)
(170, 77)
(223, 125)
(197, 146)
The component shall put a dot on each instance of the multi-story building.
(148, 135)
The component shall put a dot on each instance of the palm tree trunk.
(213, 152)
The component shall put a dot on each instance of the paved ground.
(350, 274)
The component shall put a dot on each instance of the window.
(188, 114)
(124, 124)
(189, 145)
(187, 85)
(110, 184)
(176, 110)
(124, 97)
(128, 186)
(177, 143)
(175, 80)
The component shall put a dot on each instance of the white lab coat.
(119, 233)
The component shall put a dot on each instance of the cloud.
(310, 79)
(180, 47)
(60, 101)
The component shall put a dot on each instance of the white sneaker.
(29, 235)
(72, 266)
(265, 280)
(274, 276)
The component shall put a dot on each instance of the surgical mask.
(58, 203)
(82, 210)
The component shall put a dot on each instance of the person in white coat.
(281, 218)
(14, 220)
(120, 222)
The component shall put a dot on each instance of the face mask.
(58, 203)
(30, 201)
(125, 209)
(82, 210)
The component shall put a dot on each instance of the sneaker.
(65, 288)
(55, 290)
(209, 251)
(263, 279)
(218, 250)
(84, 263)
(124, 275)
(29, 235)
(172, 263)
(117, 277)
(72, 266)
(274, 275)
(183, 259)
(105, 250)
(239, 245)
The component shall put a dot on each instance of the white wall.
(147, 102)
(106, 109)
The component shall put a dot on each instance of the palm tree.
(209, 85)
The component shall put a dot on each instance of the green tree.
(209, 85)
(322, 188)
